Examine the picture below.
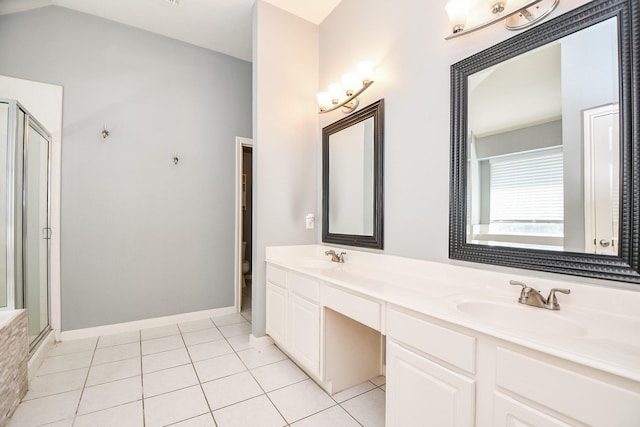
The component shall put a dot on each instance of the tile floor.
(200, 373)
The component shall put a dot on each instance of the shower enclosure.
(25, 232)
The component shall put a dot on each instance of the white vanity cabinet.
(446, 375)
(293, 316)
(429, 373)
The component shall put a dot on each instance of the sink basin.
(515, 317)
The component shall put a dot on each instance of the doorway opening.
(244, 219)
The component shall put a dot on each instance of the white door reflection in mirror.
(351, 179)
(601, 170)
(526, 167)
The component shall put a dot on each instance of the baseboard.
(40, 354)
(144, 324)
(260, 341)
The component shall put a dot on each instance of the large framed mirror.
(545, 148)
(352, 193)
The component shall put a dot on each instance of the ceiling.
(220, 25)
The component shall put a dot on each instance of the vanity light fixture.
(467, 16)
(345, 95)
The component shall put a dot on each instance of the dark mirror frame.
(375, 110)
(625, 266)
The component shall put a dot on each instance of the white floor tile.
(229, 319)
(247, 315)
(239, 342)
(278, 375)
(209, 349)
(235, 329)
(367, 408)
(202, 336)
(159, 332)
(128, 415)
(334, 417)
(378, 381)
(195, 325)
(353, 391)
(65, 362)
(383, 387)
(68, 422)
(164, 360)
(218, 367)
(46, 409)
(61, 382)
(158, 345)
(113, 371)
(117, 352)
(105, 396)
(260, 356)
(119, 339)
(175, 406)
(167, 380)
(73, 346)
(300, 400)
(250, 413)
(201, 421)
(232, 389)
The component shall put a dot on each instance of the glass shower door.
(37, 233)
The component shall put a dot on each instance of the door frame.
(240, 143)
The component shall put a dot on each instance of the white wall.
(141, 238)
(285, 65)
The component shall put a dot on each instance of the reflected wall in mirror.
(544, 147)
(352, 197)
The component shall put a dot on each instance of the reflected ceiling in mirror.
(545, 147)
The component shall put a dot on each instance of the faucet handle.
(552, 301)
(524, 294)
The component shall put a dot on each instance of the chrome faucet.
(534, 298)
(336, 257)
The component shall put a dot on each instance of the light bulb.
(324, 100)
(457, 11)
(365, 71)
(350, 83)
(335, 90)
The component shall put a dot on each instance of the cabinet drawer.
(445, 344)
(360, 309)
(276, 275)
(305, 287)
(575, 395)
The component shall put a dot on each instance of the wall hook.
(175, 160)
(105, 132)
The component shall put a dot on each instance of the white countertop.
(596, 326)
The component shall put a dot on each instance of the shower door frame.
(12, 130)
(29, 124)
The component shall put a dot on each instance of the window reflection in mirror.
(543, 160)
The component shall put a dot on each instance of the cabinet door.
(421, 392)
(304, 324)
(508, 412)
(276, 316)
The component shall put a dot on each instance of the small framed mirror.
(545, 148)
(352, 194)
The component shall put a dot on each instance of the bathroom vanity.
(454, 343)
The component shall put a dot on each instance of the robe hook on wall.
(104, 132)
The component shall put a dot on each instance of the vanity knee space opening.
(353, 352)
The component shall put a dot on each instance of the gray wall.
(140, 237)
(285, 59)
(405, 41)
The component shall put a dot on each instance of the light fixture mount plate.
(530, 15)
